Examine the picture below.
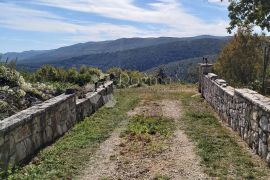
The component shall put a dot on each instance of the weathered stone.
(264, 138)
(49, 133)
(260, 112)
(254, 115)
(59, 130)
(212, 76)
(254, 125)
(2, 140)
(262, 149)
(268, 158)
(4, 150)
(11, 144)
(12, 160)
(20, 151)
(28, 145)
(36, 128)
(36, 139)
(264, 123)
(64, 128)
(23, 133)
(49, 121)
(246, 111)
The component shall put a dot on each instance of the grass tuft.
(148, 135)
(140, 125)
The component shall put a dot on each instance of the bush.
(16, 94)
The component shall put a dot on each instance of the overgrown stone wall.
(244, 110)
(24, 133)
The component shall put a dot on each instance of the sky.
(49, 24)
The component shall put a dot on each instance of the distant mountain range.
(129, 53)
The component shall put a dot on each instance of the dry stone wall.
(244, 110)
(24, 133)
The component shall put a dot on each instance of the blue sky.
(48, 24)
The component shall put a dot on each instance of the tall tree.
(244, 13)
(240, 62)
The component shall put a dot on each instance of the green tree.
(94, 71)
(135, 77)
(83, 69)
(115, 71)
(72, 75)
(161, 75)
(240, 61)
(95, 74)
(244, 13)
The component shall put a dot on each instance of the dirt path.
(101, 165)
(177, 161)
(183, 163)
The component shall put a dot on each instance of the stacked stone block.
(24, 133)
(244, 110)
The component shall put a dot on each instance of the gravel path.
(177, 161)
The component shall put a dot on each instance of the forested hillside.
(141, 58)
(89, 48)
(184, 70)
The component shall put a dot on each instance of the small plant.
(161, 177)
(148, 135)
(141, 125)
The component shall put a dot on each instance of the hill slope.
(87, 48)
(22, 55)
(183, 70)
(139, 54)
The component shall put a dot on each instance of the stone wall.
(244, 110)
(24, 133)
(93, 101)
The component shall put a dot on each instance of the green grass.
(148, 135)
(161, 177)
(141, 125)
(221, 155)
(66, 157)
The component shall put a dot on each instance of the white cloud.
(162, 18)
(169, 13)
(21, 18)
(165, 12)
(218, 2)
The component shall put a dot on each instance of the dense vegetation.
(184, 70)
(133, 54)
(20, 90)
(81, 77)
(241, 60)
(87, 48)
(244, 13)
(17, 94)
(147, 57)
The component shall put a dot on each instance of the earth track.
(177, 161)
